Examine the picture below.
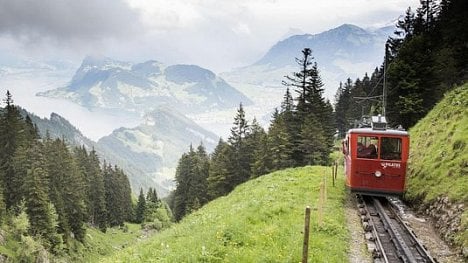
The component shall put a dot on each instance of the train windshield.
(367, 147)
(391, 148)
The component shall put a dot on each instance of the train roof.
(379, 132)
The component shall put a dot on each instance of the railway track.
(389, 238)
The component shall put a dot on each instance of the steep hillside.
(260, 221)
(155, 147)
(59, 127)
(438, 170)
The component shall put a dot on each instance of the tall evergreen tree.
(221, 173)
(96, 194)
(242, 154)
(140, 208)
(255, 145)
(41, 212)
(280, 145)
(299, 80)
(11, 137)
(66, 189)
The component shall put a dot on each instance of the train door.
(392, 165)
(368, 149)
(347, 158)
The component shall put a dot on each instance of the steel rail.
(393, 239)
(404, 251)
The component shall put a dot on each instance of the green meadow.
(262, 220)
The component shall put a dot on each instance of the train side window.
(367, 147)
(391, 148)
(345, 147)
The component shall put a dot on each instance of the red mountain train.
(376, 158)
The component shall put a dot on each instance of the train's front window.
(391, 148)
(367, 147)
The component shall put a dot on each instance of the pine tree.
(261, 163)
(184, 172)
(140, 208)
(38, 207)
(117, 195)
(313, 142)
(280, 145)
(96, 195)
(200, 183)
(242, 154)
(66, 189)
(299, 80)
(11, 137)
(220, 179)
(310, 101)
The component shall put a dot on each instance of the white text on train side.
(393, 165)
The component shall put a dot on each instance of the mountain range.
(102, 82)
(347, 51)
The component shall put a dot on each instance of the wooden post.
(320, 205)
(305, 247)
(336, 168)
(324, 190)
(333, 174)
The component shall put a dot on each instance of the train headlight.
(378, 174)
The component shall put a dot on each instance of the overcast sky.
(216, 34)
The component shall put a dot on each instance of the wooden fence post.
(320, 205)
(336, 168)
(305, 247)
(333, 174)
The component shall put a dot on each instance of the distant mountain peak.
(102, 62)
(102, 82)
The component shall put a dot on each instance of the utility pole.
(384, 91)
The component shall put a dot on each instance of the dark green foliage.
(12, 136)
(156, 213)
(152, 195)
(67, 186)
(94, 187)
(310, 104)
(354, 100)
(280, 145)
(59, 190)
(192, 187)
(428, 59)
(221, 170)
(313, 142)
(41, 213)
(117, 196)
(242, 153)
(255, 143)
(140, 208)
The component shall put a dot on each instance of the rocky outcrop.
(447, 217)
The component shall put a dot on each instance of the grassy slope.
(100, 244)
(97, 244)
(439, 151)
(260, 221)
(439, 155)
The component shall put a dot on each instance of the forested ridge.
(52, 192)
(427, 56)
